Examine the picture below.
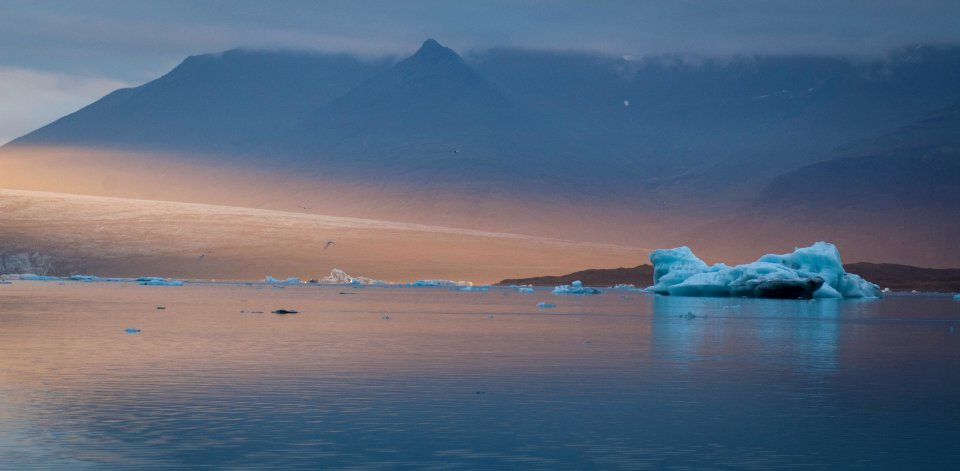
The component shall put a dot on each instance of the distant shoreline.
(887, 275)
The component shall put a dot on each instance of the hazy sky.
(56, 56)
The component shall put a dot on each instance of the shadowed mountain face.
(218, 103)
(653, 152)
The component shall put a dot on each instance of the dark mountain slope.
(210, 103)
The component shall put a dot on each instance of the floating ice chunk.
(289, 281)
(285, 311)
(131, 330)
(32, 277)
(439, 283)
(809, 272)
(574, 288)
(956, 297)
(624, 286)
(154, 281)
(84, 278)
(473, 288)
(340, 277)
(525, 289)
(543, 305)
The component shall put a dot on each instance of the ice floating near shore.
(289, 281)
(543, 305)
(146, 280)
(439, 283)
(340, 277)
(154, 281)
(810, 272)
(30, 277)
(956, 297)
(482, 289)
(574, 288)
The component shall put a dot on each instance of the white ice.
(289, 281)
(439, 283)
(574, 288)
(146, 280)
(679, 272)
(340, 277)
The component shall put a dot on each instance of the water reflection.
(470, 380)
(803, 335)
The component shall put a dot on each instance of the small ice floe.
(161, 307)
(132, 330)
(624, 286)
(289, 281)
(154, 281)
(286, 311)
(32, 277)
(543, 305)
(438, 283)
(524, 289)
(482, 289)
(575, 288)
(956, 297)
(885, 290)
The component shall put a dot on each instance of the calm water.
(463, 380)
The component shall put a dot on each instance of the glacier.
(808, 272)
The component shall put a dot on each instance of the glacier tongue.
(809, 272)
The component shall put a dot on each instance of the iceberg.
(340, 277)
(31, 277)
(574, 288)
(154, 281)
(809, 272)
(289, 281)
(482, 289)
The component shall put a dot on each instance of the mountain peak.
(432, 50)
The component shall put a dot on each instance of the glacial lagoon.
(432, 378)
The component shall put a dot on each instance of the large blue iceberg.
(809, 272)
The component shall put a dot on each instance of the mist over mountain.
(676, 145)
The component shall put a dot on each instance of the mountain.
(893, 196)
(640, 276)
(210, 103)
(727, 155)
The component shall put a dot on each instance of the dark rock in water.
(788, 289)
(285, 311)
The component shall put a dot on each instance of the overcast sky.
(56, 56)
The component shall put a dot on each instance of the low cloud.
(32, 98)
